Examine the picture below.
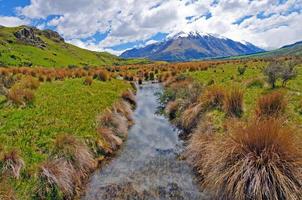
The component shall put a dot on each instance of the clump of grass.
(30, 83)
(255, 82)
(76, 153)
(56, 180)
(114, 121)
(102, 75)
(114, 141)
(88, 81)
(124, 108)
(190, 117)
(172, 108)
(20, 96)
(12, 164)
(213, 97)
(259, 160)
(271, 105)
(6, 190)
(129, 97)
(233, 102)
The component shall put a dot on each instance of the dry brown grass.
(124, 109)
(20, 96)
(233, 103)
(76, 153)
(12, 163)
(271, 105)
(30, 83)
(260, 160)
(114, 141)
(191, 116)
(115, 121)
(213, 97)
(88, 80)
(172, 108)
(6, 190)
(56, 175)
(129, 97)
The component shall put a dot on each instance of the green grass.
(55, 54)
(228, 76)
(60, 107)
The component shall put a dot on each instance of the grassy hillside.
(14, 52)
(60, 107)
(290, 50)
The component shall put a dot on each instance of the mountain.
(287, 50)
(192, 46)
(29, 46)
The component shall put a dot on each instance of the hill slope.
(192, 46)
(28, 46)
(287, 50)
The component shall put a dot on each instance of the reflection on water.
(148, 166)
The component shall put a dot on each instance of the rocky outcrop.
(27, 35)
(53, 35)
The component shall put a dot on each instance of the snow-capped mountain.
(186, 46)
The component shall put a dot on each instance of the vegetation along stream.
(148, 166)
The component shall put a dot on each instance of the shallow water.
(147, 167)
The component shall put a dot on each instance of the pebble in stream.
(147, 167)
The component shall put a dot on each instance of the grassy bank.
(59, 107)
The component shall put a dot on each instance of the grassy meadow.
(59, 107)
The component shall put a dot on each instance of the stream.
(148, 165)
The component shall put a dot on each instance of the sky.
(117, 25)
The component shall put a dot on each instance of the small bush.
(233, 103)
(273, 71)
(271, 105)
(259, 160)
(241, 70)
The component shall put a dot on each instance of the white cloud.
(12, 21)
(136, 20)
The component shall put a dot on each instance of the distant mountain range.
(29, 46)
(192, 46)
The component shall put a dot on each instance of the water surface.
(148, 165)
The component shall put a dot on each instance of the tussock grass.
(190, 117)
(114, 141)
(260, 160)
(56, 180)
(88, 81)
(233, 102)
(76, 153)
(12, 164)
(6, 190)
(172, 108)
(271, 105)
(213, 97)
(20, 96)
(129, 97)
(124, 109)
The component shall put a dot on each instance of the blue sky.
(118, 25)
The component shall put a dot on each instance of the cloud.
(12, 21)
(137, 20)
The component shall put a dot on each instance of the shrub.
(273, 71)
(75, 153)
(271, 105)
(56, 180)
(241, 70)
(88, 80)
(259, 160)
(289, 72)
(20, 96)
(12, 163)
(233, 103)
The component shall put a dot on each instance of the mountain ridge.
(187, 46)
